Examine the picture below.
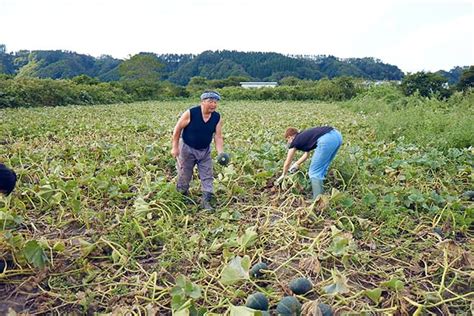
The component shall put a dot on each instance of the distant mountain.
(62, 64)
(453, 75)
(180, 68)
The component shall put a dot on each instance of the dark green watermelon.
(300, 286)
(223, 159)
(256, 270)
(257, 301)
(289, 306)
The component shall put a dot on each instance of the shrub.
(30, 92)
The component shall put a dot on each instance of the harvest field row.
(96, 225)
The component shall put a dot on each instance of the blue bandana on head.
(210, 95)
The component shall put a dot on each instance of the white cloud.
(434, 46)
(388, 30)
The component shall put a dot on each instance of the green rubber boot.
(317, 186)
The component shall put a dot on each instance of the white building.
(250, 84)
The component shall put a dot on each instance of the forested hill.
(274, 66)
(59, 65)
(180, 69)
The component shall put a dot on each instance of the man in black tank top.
(197, 127)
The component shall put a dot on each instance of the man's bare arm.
(180, 125)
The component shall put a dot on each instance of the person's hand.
(279, 180)
(175, 152)
(294, 167)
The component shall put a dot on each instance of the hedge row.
(29, 92)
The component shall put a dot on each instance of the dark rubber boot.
(186, 197)
(317, 187)
(183, 191)
(206, 201)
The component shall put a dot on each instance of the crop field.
(95, 223)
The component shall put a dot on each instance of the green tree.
(84, 79)
(6, 61)
(346, 88)
(467, 79)
(142, 67)
(290, 81)
(198, 84)
(427, 84)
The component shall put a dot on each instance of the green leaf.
(236, 215)
(347, 202)
(141, 207)
(193, 311)
(364, 223)
(394, 284)
(369, 199)
(182, 290)
(336, 195)
(179, 302)
(248, 238)
(231, 242)
(339, 245)
(86, 247)
(433, 297)
(59, 246)
(236, 270)
(181, 281)
(335, 231)
(339, 284)
(34, 254)
(8, 220)
(181, 312)
(116, 256)
(15, 240)
(192, 290)
(374, 294)
(243, 311)
(225, 215)
(76, 205)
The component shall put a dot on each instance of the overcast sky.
(414, 35)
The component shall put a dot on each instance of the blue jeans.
(326, 149)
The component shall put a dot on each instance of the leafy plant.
(184, 293)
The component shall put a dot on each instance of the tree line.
(180, 68)
(50, 78)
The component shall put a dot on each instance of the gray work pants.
(188, 158)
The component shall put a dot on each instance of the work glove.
(294, 167)
(279, 180)
(223, 159)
